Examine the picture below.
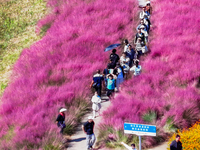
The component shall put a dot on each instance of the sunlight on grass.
(17, 31)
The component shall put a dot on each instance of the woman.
(96, 104)
(61, 119)
(124, 62)
(136, 69)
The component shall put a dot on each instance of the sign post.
(140, 130)
(140, 143)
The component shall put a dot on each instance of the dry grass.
(17, 31)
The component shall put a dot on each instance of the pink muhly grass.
(168, 72)
(57, 70)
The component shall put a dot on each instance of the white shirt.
(126, 47)
(126, 59)
(136, 70)
(96, 100)
(128, 147)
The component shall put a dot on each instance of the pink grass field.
(57, 70)
(170, 72)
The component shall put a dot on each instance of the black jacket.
(176, 145)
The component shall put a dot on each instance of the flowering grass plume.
(165, 93)
(57, 70)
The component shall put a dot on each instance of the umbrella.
(111, 47)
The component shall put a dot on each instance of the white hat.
(90, 117)
(63, 109)
(142, 26)
(148, 2)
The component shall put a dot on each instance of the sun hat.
(142, 27)
(63, 109)
(90, 117)
(148, 2)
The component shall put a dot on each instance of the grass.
(150, 117)
(112, 138)
(17, 31)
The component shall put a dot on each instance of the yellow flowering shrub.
(190, 138)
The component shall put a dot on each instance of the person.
(126, 45)
(141, 24)
(176, 144)
(124, 62)
(131, 54)
(96, 104)
(144, 14)
(144, 31)
(132, 147)
(88, 128)
(111, 65)
(139, 34)
(110, 85)
(105, 73)
(148, 7)
(139, 46)
(61, 119)
(136, 69)
(114, 58)
(97, 82)
(119, 72)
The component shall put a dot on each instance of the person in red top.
(61, 119)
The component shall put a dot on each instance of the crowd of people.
(118, 69)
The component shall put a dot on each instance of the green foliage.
(17, 31)
(9, 134)
(149, 117)
(170, 127)
(44, 29)
(112, 138)
(78, 108)
(3, 86)
(50, 146)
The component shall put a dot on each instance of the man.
(131, 54)
(176, 144)
(88, 128)
(114, 57)
(61, 119)
(132, 147)
(97, 82)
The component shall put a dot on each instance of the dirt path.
(78, 141)
(160, 147)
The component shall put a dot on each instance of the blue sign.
(140, 129)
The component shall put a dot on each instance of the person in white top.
(124, 62)
(126, 45)
(144, 14)
(132, 147)
(96, 104)
(136, 69)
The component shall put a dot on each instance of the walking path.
(78, 141)
(160, 147)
